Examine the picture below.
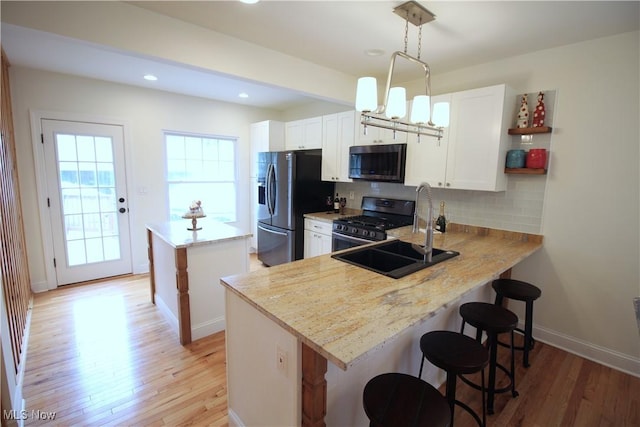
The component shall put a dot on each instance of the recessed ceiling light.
(150, 77)
(374, 52)
(249, 1)
(243, 95)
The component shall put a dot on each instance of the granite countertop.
(175, 233)
(330, 216)
(344, 312)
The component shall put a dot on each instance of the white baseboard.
(602, 355)
(38, 287)
(234, 419)
(167, 314)
(207, 328)
(141, 268)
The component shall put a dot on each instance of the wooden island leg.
(314, 388)
(182, 283)
(152, 276)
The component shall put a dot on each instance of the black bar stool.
(494, 320)
(520, 291)
(398, 400)
(456, 354)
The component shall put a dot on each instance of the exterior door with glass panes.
(88, 203)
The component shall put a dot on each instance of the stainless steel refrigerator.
(289, 185)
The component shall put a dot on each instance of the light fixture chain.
(406, 32)
(419, 40)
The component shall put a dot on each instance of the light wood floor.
(101, 354)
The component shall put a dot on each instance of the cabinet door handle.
(448, 184)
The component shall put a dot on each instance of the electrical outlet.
(352, 195)
(281, 359)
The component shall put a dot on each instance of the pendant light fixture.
(424, 120)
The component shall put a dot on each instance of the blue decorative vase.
(515, 158)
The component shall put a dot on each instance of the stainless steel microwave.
(378, 162)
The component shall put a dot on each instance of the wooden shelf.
(525, 171)
(529, 131)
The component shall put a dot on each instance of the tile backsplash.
(519, 208)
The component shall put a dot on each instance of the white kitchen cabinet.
(317, 237)
(337, 137)
(476, 144)
(267, 135)
(427, 159)
(305, 134)
(376, 135)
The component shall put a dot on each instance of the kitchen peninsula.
(184, 267)
(284, 323)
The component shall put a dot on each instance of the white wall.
(147, 113)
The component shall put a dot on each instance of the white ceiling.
(333, 34)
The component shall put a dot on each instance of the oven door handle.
(352, 238)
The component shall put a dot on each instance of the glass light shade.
(367, 94)
(420, 109)
(397, 103)
(441, 114)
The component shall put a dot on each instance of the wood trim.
(182, 285)
(152, 273)
(16, 281)
(314, 388)
(529, 131)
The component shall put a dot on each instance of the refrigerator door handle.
(271, 188)
(272, 231)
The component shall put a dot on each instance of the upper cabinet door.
(478, 138)
(337, 137)
(305, 134)
(427, 159)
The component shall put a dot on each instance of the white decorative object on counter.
(195, 211)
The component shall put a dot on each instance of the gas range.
(378, 216)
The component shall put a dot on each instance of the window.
(201, 167)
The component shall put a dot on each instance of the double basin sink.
(394, 258)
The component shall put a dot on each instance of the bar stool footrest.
(508, 387)
(470, 411)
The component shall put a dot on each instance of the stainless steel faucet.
(427, 251)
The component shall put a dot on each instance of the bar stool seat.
(398, 400)
(455, 354)
(520, 291)
(494, 320)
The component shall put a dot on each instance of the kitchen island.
(284, 323)
(182, 264)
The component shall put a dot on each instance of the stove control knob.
(365, 233)
(354, 230)
(338, 227)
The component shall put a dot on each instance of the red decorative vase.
(537, 158)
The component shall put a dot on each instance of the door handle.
(121, 199)
(272, 231)
(122, 210)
